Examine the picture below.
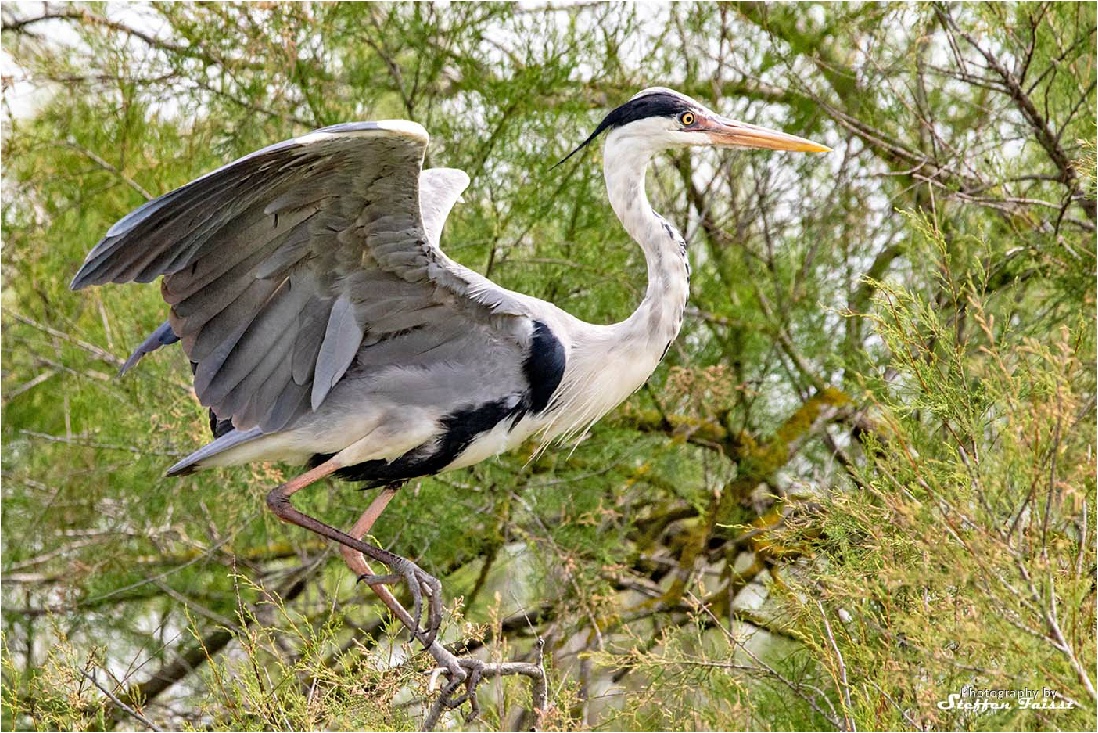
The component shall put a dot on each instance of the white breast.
(602, 371)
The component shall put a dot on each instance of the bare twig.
(84, 16)
(186, 663)
(590, 611)
(121, 705)
(1040, 125)
(80, 441)
(844, 684)
(30, 384)
(478, 671)
(796, 688)
(90, 348)
(1053, 621)
(110, 168)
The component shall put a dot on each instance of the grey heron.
(326, 327)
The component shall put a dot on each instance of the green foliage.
(862, 480)
(960, 558)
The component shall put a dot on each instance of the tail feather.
(191, 463)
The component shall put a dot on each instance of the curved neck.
(606, 364)
(658, 319)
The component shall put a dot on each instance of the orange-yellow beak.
(730, 133)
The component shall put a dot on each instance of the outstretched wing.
(439, 190)
(279, 266)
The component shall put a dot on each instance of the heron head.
(660, 118)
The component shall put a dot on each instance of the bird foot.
(462, 675)
(420, 583)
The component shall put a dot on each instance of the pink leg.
(419, 582)
(354, 559)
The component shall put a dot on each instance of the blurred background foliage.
(862, 480)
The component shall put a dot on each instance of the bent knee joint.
(278, 502)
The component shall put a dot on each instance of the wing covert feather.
(342, 338)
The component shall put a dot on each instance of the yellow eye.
(687, 119)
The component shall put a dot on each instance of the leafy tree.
(863, 479)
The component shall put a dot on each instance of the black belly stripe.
(543, 369)
(459, 429)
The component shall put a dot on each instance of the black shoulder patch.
(543, 367)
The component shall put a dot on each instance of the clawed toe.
(432, 588)
(420, 584)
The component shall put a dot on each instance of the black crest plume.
(654, 103)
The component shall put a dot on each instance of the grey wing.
(282, 266)
(439, 190)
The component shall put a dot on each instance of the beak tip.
(729, 133)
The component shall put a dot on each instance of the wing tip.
(87, 277)
(201, 458)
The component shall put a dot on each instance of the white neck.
(606, 364)
(657, 321)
